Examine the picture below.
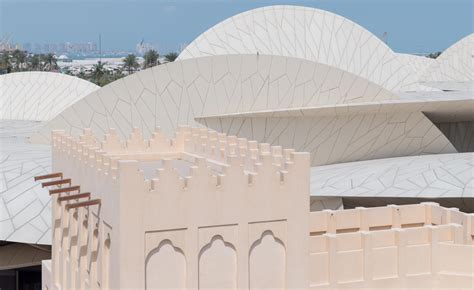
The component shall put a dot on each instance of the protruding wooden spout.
(74, 196)
(82, 204)
(57, 182)
(65, 189)
(48, 176)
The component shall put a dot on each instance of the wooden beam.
(82, 204)
(48, 176)
(65, 189)
(57, 182)
(74, 196)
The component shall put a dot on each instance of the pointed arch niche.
(267, 263)
(218, 265)
(165, 267)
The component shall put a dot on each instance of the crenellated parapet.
(220, 152)
(205, 210)
(193, 191)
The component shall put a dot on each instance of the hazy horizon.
(413, 26)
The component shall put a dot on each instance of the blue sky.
(412, 25)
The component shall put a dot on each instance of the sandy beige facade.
(210, 211)
(221, 213)
(412, 246)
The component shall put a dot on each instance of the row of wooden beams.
(74, 196)
(82, 204)
(57, 182)
(48, 176)
(65, 189)
(77, 188)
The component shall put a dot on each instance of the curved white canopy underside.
(426, 176)
(25, 207)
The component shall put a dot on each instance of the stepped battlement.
(199, 187)
(210, 156)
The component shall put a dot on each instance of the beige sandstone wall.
(227, 213)
(239, 219)
(414, 246)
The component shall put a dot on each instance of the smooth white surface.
(307, 33)
(39, 96)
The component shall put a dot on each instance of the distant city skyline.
(61, 47)
(413, 26)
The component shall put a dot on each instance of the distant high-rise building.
(61, 48)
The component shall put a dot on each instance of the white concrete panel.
(25, 207)
(307, 33)
(426, 176)
(39, 96)
(455, 64)
(335, 139)
(224, 84)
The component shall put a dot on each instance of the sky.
(413, 26)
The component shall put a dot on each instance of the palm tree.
(117, 75)
(19, 58)
(82, 74)
(35, 62)
(151, 58)
(98, 72)
(434, 54)
(172, 56)
(50, 62)
(130, 63)
(6, 63)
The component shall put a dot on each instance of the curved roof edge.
(455, 64)
(307, 33)
(175, 93)
(423, 176)
(38, 95)
(440, 110)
